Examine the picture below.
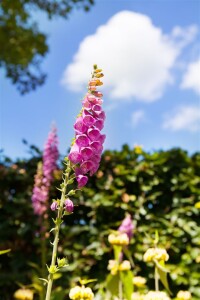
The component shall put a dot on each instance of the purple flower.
(82, 180)
(54, 206)
(69, 206)
(44, 175)
(127, 226)
(50, 155)
(88, 146)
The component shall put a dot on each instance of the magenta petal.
(102, 138)
(99, 124)
(82, 140)
(96, 147)
(94, 169)
(69, 205)
(97, 109)
(75, 157)
(102, 115)
(96, 158)
(88, 120)
(93, 134)
(86, 166)
(82, 180)
(86, 152)
(80, 126)
(86, 103)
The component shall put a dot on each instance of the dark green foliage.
(159, 190)
(22, 45)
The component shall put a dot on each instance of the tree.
(23, 46)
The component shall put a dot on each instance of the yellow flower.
(156, 296)
(81, 293)
(120, 239)
(24, 294)
(75, 293)
(125, 266)
(139, 281)
(137, 296)
(156, 253)
(184, 295)
(87, 293)
(113, 266)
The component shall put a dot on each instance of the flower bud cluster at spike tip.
(87, 147)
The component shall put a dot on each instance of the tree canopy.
(23, 45)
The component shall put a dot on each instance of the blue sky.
(149, 51)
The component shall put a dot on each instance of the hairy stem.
(57, 230)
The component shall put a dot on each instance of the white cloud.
(136, 56)
(191, 79)
(137, 117)
(184, 118)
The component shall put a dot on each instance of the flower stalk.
(53, 268)
(156, 279)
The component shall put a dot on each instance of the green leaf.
(128, 255)
(43, 279)
(112, 284)
(86, 281)
(162, 271)
(127, 280)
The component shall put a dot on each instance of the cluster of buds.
(184, 295)
(23, 294)
(114, 266)
(87, 146)
(68, 206)
(152, 295)
(139, 281)
(81, 293)
(158, 254)
(119, 239)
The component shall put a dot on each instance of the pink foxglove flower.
(87, 148)
(127, 226)
(44, 175)
(69, 206)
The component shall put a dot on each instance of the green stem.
(43, 263)
(120, 290)
(56, 237)
(156, 279)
